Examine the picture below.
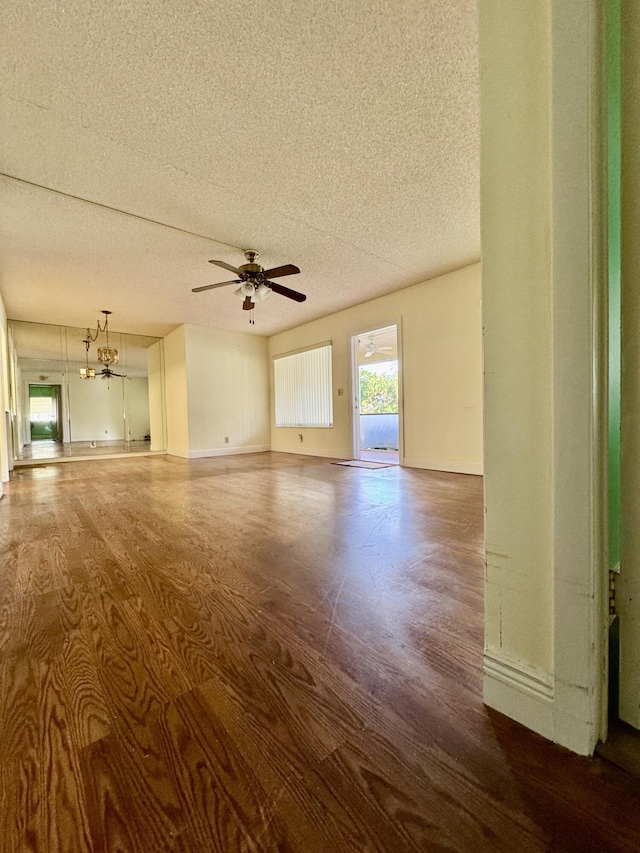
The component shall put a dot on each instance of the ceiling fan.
(372, 348)
(255, 282)
(107, 373)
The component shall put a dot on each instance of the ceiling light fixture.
(106, 354)
(87, 372)
(252, 293)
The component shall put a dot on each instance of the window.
(303, 389)
(42, 409)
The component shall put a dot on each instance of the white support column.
(543, 321)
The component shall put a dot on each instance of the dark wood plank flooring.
(265, 653)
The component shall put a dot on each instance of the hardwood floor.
(265, 653)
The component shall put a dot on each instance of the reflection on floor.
(57, 451)
(391, 457)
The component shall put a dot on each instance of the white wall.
(177, 411)
(96, 408)
(518, 333)
(216, 388)
(136, 392)
(544, 407)
(440, 329)
(157, 406)
(18, 398)
(228, 389)
(4, 398)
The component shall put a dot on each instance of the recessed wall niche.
(55, 412)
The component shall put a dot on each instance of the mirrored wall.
(59, 408)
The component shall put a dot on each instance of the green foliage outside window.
(379, 391)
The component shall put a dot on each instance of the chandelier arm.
(106, 354)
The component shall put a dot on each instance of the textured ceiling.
(341, 137)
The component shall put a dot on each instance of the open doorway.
(376, 382)
(45, 413)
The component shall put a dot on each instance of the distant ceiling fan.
(372, 348)
(255, 282)
(107, 373)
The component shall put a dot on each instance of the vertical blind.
(303, 389)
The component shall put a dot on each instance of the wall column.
(543, 281)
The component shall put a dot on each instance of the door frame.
(355, 385)
(59, 408)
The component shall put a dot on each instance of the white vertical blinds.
(303, 388)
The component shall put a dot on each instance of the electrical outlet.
(226, 439)
(340, 392)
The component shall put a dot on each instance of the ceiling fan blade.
(276, 272)
(225, 266)
(285, 291)
(211, 286)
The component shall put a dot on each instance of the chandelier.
(106, 354)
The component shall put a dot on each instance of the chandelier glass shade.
(254, 293)
(108, 355)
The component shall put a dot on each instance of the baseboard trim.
(228, 451)
(443, 465)
(520, 692)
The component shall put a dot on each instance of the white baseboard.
(228, 451)
(444, 465)
(519, 692)
(540, 702)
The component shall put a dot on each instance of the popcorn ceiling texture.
(342, 137)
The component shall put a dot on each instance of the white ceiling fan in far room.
(372, 348)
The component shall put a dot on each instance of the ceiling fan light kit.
(255, 283)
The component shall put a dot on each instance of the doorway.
(377, 398)
(45, 413)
